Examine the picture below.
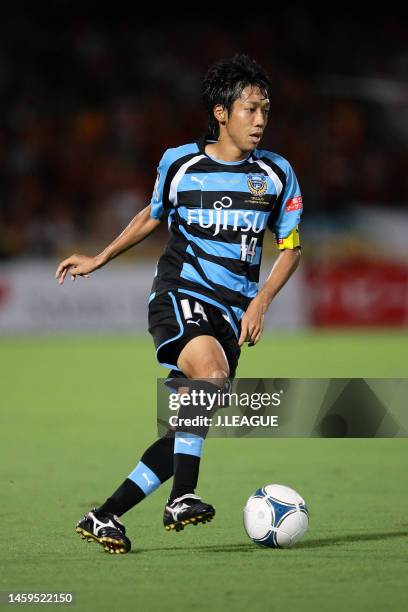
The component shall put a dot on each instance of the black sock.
(159, 456)
(125, 497)
(189, 441)
(158, 461)
(186, 469)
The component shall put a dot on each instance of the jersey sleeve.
(160, 203)
(289, 207)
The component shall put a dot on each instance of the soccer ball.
(276, 516)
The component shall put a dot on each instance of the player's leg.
(154, 468)
(102, 524)
(156, 464)
(202, 360)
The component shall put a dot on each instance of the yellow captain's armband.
(290, 242)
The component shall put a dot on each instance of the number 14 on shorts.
(197, 310)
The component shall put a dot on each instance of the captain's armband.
(290, 242)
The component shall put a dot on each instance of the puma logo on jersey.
(195, 179)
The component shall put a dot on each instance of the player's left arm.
(285, 226)
(252, 323)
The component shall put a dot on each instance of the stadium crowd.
(88, 106)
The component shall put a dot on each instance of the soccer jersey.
(218, 212)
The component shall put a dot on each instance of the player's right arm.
(141, 226)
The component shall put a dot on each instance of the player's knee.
(219, 374)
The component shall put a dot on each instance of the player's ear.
(220, 113)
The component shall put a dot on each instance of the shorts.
(175, 318)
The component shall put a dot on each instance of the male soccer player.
(219, 195)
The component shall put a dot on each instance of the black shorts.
(175, 318)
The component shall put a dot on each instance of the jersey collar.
(204, 140)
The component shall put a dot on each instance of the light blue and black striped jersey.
(218, 212)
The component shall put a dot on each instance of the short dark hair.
(225, 82)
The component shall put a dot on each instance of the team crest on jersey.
(257, 184)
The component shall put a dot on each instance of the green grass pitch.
(78, 412)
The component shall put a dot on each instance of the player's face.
(247, 120)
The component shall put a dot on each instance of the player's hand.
(252, 323)
(76, 265)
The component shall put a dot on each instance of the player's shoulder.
(274, 159)
(174, 154)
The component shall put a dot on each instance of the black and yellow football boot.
(106, 529)
(186, 510)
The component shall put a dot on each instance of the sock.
(155, 467)
(187, 455)
(188, 445)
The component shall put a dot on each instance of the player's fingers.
(254, 339)
(73, 272)
(59, 269)
(249, 331)
(252, 330)
(256, 333)
(64, 272)
(63, 265)
(79, 273)
(257, 337)
(244, 333)
(62, 276)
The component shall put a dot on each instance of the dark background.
(91, 99)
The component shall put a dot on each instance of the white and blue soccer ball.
(276, 516)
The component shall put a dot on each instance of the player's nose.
(260, 119)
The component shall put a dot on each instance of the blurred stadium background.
(89, 102)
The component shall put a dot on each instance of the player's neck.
(225, 151)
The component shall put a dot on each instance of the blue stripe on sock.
(145, 478)
(188, 444)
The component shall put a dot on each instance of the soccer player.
(219, 196)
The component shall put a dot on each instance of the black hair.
(225, 82)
